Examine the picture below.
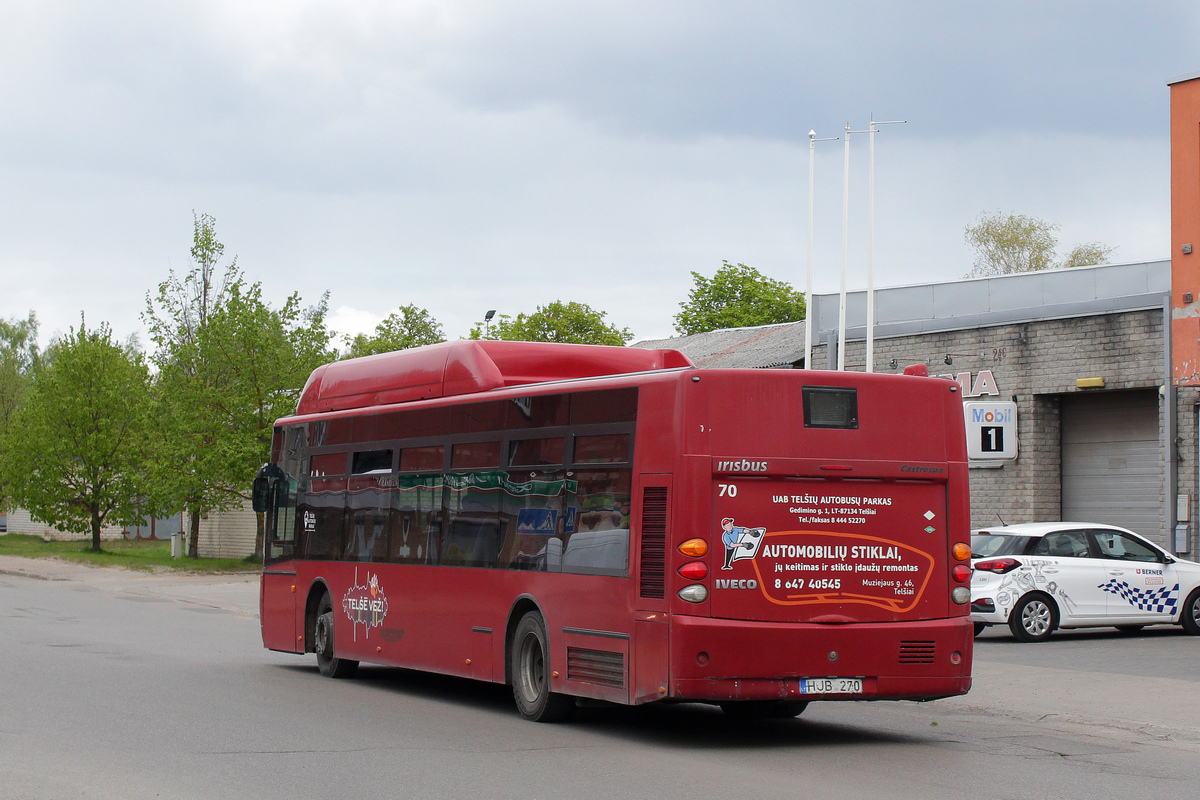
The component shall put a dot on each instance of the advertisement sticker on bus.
(812, 547)
(365, 605)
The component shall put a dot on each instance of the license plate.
(831, 686)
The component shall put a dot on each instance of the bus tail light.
(696, 548)
(961, 595)
(696, 593)
(962, 551)
(961, 573)
(694, 571)
(998, 565)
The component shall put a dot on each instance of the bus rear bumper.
(717, 660)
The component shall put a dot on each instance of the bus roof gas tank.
(466, 366)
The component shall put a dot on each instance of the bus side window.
(416, 513)
(471, 532)
(323, 518)
(596, 532)
(531, 519)
(367, 523)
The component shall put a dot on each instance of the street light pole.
(841, 354)
(871, 242)
(808, 331)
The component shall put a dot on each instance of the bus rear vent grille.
(917, 652)
(600, 667)
(654, 542)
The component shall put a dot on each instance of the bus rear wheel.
(330, 665)
(529, 663)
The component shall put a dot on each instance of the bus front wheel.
(529, 660)
(330, 665)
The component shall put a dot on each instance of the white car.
(1039, 576)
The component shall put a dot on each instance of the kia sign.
(991, 430)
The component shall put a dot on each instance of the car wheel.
(330, 665)
(1190, 618)
(1129, 628)
(1033, 618)
(746, 710)
(979, 626)
(529, 660)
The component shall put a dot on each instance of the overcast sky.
(464, 156)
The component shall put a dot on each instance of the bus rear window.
(830, 407)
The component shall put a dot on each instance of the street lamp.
(487, 321)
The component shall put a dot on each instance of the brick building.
(1084, 353)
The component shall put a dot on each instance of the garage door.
(1112, 462)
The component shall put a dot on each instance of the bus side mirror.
(260, 493)
(260, 490)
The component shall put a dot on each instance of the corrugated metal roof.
(737, 348)
(930, 307)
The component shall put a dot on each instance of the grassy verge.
(139, 554)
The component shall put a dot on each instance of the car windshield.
(985, 544)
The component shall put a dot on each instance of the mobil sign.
(991, 430)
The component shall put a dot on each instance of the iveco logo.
(741, 466)
(737, 584)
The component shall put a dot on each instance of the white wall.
(20, 521)
(228, 534)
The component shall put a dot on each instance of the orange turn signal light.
(962, 551)
(694, 548)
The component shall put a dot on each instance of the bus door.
(275, 497)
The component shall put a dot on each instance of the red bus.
(612, 523)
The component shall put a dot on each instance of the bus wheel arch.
(529, 660)
(521, 606)
(316, 591)
(325, 641)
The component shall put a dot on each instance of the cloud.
(472, 155)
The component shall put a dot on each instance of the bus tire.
(323, 643)
(529, 662)
(747, 710)
(1033, 618)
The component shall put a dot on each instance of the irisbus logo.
(741, 466)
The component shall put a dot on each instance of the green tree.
(228, 366)
(1005, 244)
(737, 296)
(407, 327)
(571, 322)
(75, 456)
(18, 358)
(1088, 254)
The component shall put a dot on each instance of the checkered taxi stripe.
(1158, 601)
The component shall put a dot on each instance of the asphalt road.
(120, 685)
